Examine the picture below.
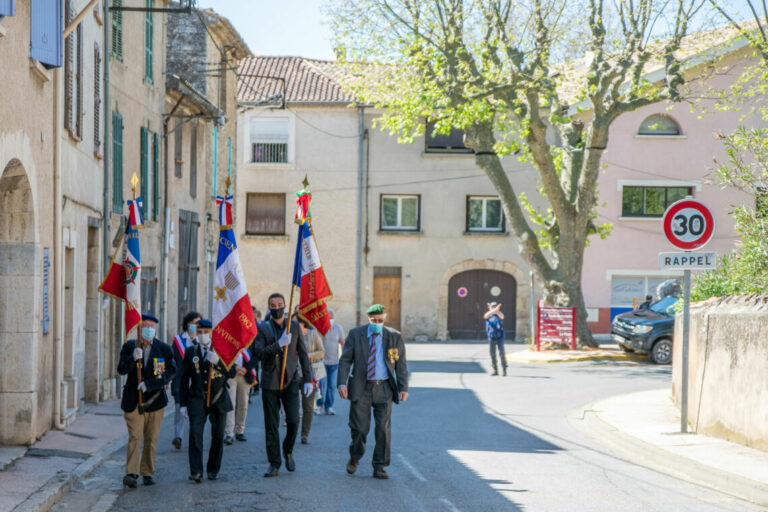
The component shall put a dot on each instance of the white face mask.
(332, 322)
(204, 339)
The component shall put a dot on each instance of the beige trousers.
(140, 426)
(238, 394)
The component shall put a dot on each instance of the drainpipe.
(359, 253)
(106, 111)
(58, 248)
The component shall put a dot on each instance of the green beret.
(376, 309)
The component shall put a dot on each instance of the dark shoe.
(272, 471)
(148, 480)
(240, 437)
(177, 443)
(304, 440)
(351, 466)
(130, 481)
(380, 474)
(229, 440)
(290, 464)
(495, 373)
(197, 477)
(504, 371)
(213, 476)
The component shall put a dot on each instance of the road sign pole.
(686, 334)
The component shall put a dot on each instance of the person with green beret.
(373, 373)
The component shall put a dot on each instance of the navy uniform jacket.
(178, 358)
(194, 383)
(353, 364)
(158, 372)
(268, 351)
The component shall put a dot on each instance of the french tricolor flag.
(308, 274)
(225, 211)
(234, 327)
(246, 359)
(123, 280)
(135, 213)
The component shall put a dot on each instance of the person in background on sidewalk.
(239, 387)
(205, 400)
(269, 348)
(494, 328)
(314, 346)
(333, 342)
(181, 342)
(372, 373)
(144, 399)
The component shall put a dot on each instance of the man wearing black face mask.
(269, 348)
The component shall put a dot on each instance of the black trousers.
(197, 418)
(497, 344)
(377, 396)
(271, 400)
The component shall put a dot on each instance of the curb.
(597, 357)
(631, 449)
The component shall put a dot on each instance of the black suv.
(647, 331)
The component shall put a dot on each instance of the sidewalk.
(645, 429)
(33, 479)
(529, 354)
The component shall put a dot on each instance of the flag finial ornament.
(229, 184)
(134, 182)
(305, 182)
(303, 198)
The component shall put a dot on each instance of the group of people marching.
(372, 374)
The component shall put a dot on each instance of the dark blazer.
(267, 350)
(194, 378)
(155, 376)
(178, 358)
(354, 359)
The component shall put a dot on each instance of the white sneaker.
(318, 411)
(330, 412)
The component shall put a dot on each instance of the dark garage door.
(468, 294)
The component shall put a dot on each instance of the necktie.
(372, 358)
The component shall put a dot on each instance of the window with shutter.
(155, 174)
(117, 162)
(145, 191)
(69, 71)
(96, 99)
(7, 8)
(178, 153)
(117, 31)
(46, 32)
(148, 43)
(215, 166)
(189, 225)
(79, 82)
(193, 162)
(148, 289)
(265, 214)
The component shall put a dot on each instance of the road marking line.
(450, 505)
(412, 469)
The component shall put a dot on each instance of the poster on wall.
(556, 325)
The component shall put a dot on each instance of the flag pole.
(134, 181)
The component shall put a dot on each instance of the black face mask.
(276, 313)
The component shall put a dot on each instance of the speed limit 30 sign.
(688, 224)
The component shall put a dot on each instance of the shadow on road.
(444, 367)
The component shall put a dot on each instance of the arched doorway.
(19, 279)
(468, 294)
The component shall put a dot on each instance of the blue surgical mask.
(148, 333)
(192, 329)
(377, 328)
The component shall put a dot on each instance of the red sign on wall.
(556, 325)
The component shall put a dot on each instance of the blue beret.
(151, 318)
(204, 324)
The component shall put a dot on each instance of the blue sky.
(278, 27)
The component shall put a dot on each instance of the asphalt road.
(464, 441)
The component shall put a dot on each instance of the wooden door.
(468, 294)
(386, 291)
(189, 225)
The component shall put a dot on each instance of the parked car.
(647, 331)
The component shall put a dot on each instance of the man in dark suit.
(144, 399)
(375, 355)
(269, 347)
(201, 364)
(181, 342)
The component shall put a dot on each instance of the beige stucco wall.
(26, 143)
(728, 371)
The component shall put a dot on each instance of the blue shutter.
(155, 174)
(46, 32)
(215, 179)
(149, 44)
(117, 162)
(7, 8)
(144, 192)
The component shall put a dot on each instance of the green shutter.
(148, 43)
(155, 178)
(215, 170)
(229, 158)
(143, 192)
(117, 31)
(117, 162)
